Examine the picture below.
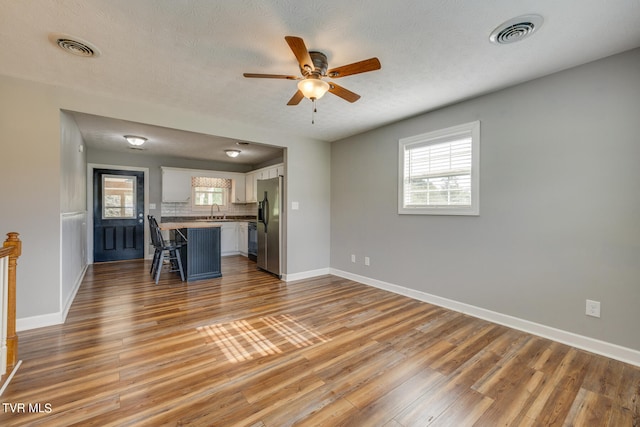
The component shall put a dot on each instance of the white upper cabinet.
(272, 173)
(250, 186)
(252, 177)
(238, 189)
(176, 185)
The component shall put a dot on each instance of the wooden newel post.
(12, 339)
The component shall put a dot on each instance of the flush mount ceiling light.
(232, 153)
(516, 29)
(136, 141)
(74, 45)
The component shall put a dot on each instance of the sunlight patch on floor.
(241, 340)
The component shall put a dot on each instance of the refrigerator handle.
(265, 213)
(262, 208)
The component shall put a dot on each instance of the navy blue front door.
(118, 215)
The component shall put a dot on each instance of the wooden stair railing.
(11, 248)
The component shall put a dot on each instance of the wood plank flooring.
(249, 350)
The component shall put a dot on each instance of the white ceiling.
(191, 54)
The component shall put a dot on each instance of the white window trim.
(221, 208)
(434, 137)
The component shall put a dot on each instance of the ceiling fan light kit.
(314, 67)
(313, 88)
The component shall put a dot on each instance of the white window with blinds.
(439, 172)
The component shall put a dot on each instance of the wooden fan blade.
(269, 76)
(300, 51)
(370, 64)
(296, 98)
(343, 93)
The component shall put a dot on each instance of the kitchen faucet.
(212, 205)
(218, 216)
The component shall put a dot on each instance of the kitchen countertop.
(189, 224)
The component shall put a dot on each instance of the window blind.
(438, 173)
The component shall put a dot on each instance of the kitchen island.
(200, 252)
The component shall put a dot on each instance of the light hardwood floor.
(249, 350)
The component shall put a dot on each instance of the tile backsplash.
(184, 209)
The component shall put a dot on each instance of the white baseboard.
(72, 296)
(593, 345)
(33, 322)
(306, 274)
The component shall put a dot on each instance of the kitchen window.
(439, 172)
(209, 192)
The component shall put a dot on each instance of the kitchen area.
(195, 181)
(245, 207)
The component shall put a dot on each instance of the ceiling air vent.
(74, 45)
(516, 29)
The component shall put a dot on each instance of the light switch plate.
(593, 308)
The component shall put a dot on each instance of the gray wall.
(559, 204)
(30, 193)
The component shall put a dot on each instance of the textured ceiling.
(191, 54)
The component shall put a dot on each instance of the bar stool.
(164, 250)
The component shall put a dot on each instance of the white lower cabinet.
(228, 239)
(243, 238)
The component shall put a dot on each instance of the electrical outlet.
(593, 308)
(367, 261)
(353, 258)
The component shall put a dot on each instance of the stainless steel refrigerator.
(269, 224)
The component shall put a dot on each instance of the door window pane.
(118, 197)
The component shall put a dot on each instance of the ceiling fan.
(314, 67)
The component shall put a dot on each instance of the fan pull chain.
(313, 111)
